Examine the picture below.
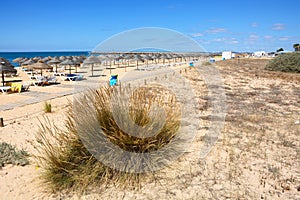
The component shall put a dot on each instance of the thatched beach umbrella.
(69, 63)
(77, 62)
(118, 58)
(36, 58)
(109, 59)
(169, 57)
(155, 57)
(54, 61)
(22, 61)
(163, 57)
(17, 60)
(45, 59)
(137, 58)
(6, 67)
(106, 58)
(81, 59)
(40, 66)
(147, 58)
(102, 58)
(62, 58)
(91, 61)
(28, 62)
(127, 57)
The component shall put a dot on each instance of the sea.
(12, 55)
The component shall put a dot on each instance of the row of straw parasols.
(40, 63)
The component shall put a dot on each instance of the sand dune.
(256, 156)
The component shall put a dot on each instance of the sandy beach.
(256, 156)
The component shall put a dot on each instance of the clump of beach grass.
(97, 117)
(289, 62)
(47, 107)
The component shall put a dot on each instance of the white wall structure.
(259, 54)
(227, 55)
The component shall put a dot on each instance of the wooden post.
(1, 122)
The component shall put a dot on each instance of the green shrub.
(289, 62)
(47, 107)
(10, 155)
(69, 165)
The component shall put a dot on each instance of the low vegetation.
(47, 107)
(67, 162)
(10, 155)
(289, 62)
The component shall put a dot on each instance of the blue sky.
(35, 25)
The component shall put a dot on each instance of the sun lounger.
(142, 68)
(73, 77)
(30, 73)
(19, 87)
(4, 89)
(52, 80)
(40, 81)
(60, 74)
(25, 86)
(33, 77)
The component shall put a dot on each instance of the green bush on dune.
(10, 155)
(66, 162)
(289, 62)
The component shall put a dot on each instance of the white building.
(259, 54)
(227, 55)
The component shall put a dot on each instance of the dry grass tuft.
(47, 107)
(97, 120)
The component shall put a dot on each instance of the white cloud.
(284, 38)
(254, 24)
(278, 27)
(268, 37)
(234, 42)
(253, 37)
(225, 40)
(204, 41)
(218, 40)
(216, 30)
(197, 34)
